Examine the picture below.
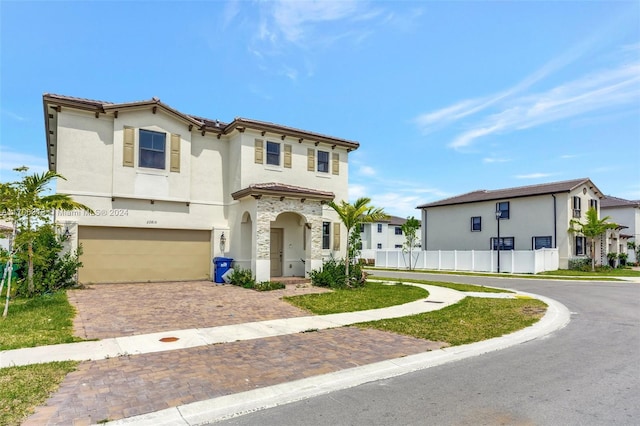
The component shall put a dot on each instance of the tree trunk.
(30, 286)
(593, 255)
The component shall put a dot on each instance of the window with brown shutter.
(336, 236)
(175, 153)
(335, 163)
(311, 159)
(128, 147)
(259, 155)
(287, 156)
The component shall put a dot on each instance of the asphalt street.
(587, 373)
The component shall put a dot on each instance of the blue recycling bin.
(222, 265)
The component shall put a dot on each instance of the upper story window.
(503, 208)
(361, 227)
(593, 204)
(476, 224)
(577, 202)
(152, 149)
(273, 153)
(379, 246)
(398, 230)
(323, 161)
(379, 227)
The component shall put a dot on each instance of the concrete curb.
(217, 409)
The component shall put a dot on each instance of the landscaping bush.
(268, 286)
(332, 274)
(242, 278)
(580, 264)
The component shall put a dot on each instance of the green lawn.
(471, 320)
(372, 296)
(26, 387)
(453, 286)
(561, 274)
(597, 275)
(43, 320)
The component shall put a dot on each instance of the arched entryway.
(288, 243)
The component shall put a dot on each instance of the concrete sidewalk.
(306, 378)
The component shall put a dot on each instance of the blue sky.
(444, 97)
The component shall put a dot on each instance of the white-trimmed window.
(476, 224)
(323, 161)
(503, 208)
(593, 204)
(379, 246)
(379, 228)
(326, 235)
(581, 246)
(577, 202)
(273, 153)
(398, 230)
(152, 149)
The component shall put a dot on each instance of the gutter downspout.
(555, 223)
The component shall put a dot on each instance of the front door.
(276, 252)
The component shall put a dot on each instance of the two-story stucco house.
(171, 191)
(625, 213)
(385, 234)
(530, 218)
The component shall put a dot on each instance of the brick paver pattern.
(131, 385)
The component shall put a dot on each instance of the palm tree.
(354, 214)
(592, 229)
(26, 206)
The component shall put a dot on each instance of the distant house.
(171, 191)
(385, 234)
(625, 213)
(530, 218)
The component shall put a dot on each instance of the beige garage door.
(141, 255)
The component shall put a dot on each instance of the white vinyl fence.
(511, 261)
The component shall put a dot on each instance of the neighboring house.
(383, 235)
(625, 213)
(531, 217)
(171, 191)
(6, 229)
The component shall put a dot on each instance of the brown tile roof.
(517, 192)
(397, 220)
(204, 124)
(282, 190)
(610, 201)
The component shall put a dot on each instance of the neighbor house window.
(581, 244)
(398, 230)
(506, 243)
(541, 242)
(326, 236)
(152, 149)
(398, 246)
(476, 224)
(503, 208)
(379, 227)
(379, 246)
(323, 161)
(593, 204)
(273, 153)
(361, 227)
(577, 201)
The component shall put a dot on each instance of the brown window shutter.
(311, 159)
(336, 236)
(287, 156)
(259, 155)
(175, 153)
(335, 164)
(128, 147)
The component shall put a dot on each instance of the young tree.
(592, 229)
(410, 229)
(353, 215)
(25, 206)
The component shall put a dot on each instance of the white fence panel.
(511, 261)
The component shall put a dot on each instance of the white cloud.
(367, 171)
(10, 160)
(534, 176)
(491, 160)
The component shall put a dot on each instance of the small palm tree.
(592, 229)
(353, 215)
(25, 205)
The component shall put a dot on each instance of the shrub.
(243, 278)
(580, 264)
(332, 274)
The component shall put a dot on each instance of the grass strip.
(42, 320)
(552, 275)
(473, 319)
(453, 286)
(373, 295)
(26, 387)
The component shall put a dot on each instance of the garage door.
(141, 255)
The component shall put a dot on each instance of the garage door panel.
(139, 255)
